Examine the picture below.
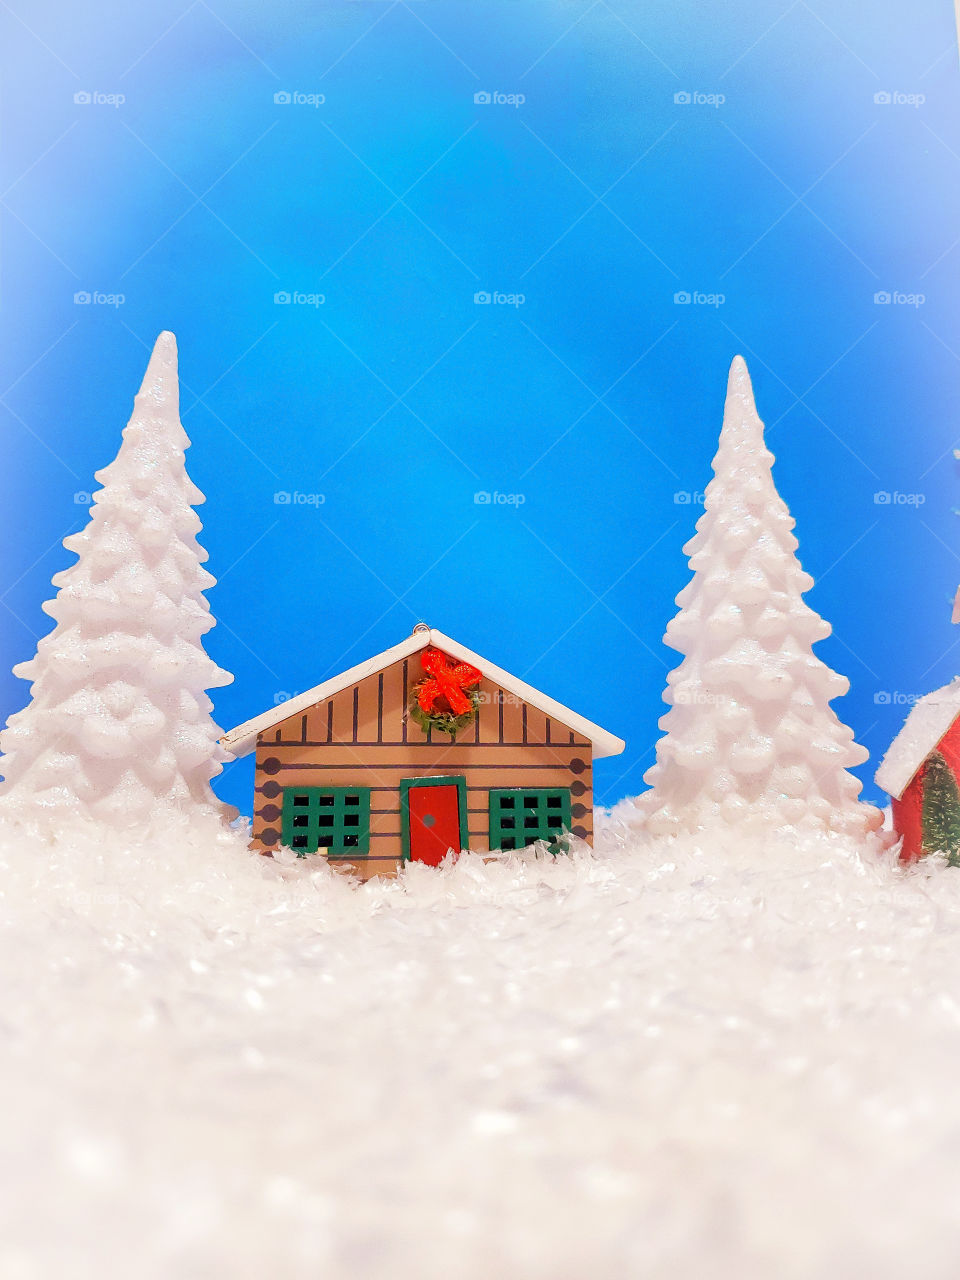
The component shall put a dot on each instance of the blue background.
(598, 399)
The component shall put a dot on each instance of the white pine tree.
(118, 729)
(750, 734)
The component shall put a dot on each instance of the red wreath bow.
(447, 683)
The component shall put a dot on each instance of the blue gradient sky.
(598, 399)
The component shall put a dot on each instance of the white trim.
(241, 740)
(929, 719)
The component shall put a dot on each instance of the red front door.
(433, 814)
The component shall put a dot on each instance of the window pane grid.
(518, 818)
(330, 820)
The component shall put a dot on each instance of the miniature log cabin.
(424, 749)
(921, 774)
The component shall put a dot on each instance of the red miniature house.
(422, 749)
(921, 774)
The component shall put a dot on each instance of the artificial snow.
(929, 719)
(656, 1059)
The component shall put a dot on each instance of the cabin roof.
(929, 719)
(241, 740)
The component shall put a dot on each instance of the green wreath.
(445, 721)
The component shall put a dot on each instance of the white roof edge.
(929, 719)
(603, 743)
(888, 778)
(241, 740)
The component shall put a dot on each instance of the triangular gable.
(926, 724)
(242, 740)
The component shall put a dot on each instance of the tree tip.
(163, 358)
(166, 344)
(740, 388)
(160, 382)
(739, 370)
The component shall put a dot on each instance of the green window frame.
(330, 820)
(520, 815)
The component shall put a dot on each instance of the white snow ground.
(654, 1061)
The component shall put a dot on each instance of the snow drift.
(677, 1061)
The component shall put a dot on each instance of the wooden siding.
(362, 736)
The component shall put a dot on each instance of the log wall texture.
(363, 736)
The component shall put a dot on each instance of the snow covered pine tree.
(750, 735)
(118, 729)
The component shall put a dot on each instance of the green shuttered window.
(331, 820)
(517, 818)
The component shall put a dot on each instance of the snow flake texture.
(119, 728)
(750, 736)
(722, 1059)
